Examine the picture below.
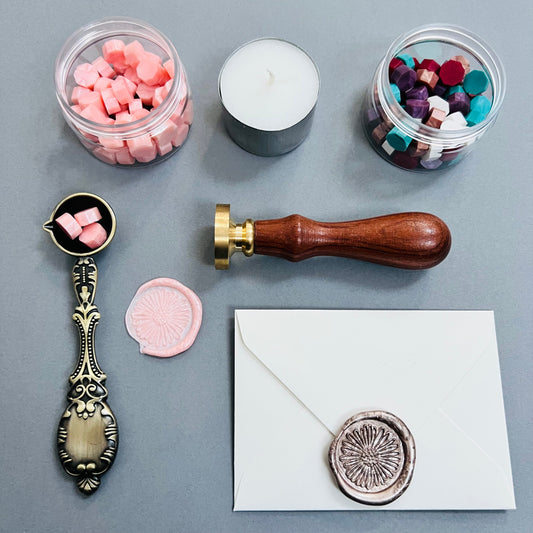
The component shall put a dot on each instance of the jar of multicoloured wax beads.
(435, 93)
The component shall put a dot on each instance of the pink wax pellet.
(169, 67)
(158, 97)
(145, 93)
(91, 98)
(103, 67)
(93, 235)
(164, 149)
(69, 225)
(77, 92)
(150, 69)
(132, 87)
(131, 74)
(140, 113)
(76, 109)
(181, 135)
(188, 113)
(135, 105)
(86, 75)
(167, 134)
(133, 53)
(121, 90)
(95, 113)
(110, 102)
(164, 76)
(111, 143)
(124, 157)
(123, 118)
(142, 148)
(101, 84)
(105, 155)
(113, 51)
(88, 216)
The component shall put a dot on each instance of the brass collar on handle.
(231, 237)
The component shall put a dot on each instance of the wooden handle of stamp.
(404, 240)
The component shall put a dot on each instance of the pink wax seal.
(164, 317)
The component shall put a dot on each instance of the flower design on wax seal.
(373, 457)
(164, 317)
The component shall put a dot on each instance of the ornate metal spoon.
(87, 438)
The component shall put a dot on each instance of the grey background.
(173, 471)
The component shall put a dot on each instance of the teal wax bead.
(398, 140)
(395, 92)
(453, 90)
(407, 59)
(475, 82)
(475, 117)
(480, 103)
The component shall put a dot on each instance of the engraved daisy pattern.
(161, 317)
(371, 455)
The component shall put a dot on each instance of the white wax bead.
(436, 102)
(434, 152)
(387, 147)
(455, 121)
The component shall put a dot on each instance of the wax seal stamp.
(164, 317)
(373, 458)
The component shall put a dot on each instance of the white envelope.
(300, 374)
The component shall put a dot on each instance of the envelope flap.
(340, 362)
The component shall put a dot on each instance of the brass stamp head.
(231, 237)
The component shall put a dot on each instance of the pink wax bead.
(95, 114)
(101, 84)
(88, 216)
(69, 225)
(158, 97)
(93, 236)
(140, 113)
(123, 118)
(135, 105)
(133, 53)
(86, 75)
(188, 113)
(77, 92)
(121, 90)
(164, 149)
(145, 93)
(76, 109)
(113, 51)
(124, 157)
(91, 98)
(132, 87)
(110, 102)
(168, 133)
(169, 67)
(105, 155)
(111, 143)
(164, 76)
(180, 135)
(131, 74)
(142, 148)
(150, 69)
(103, 67)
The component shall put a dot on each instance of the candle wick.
(271, 77)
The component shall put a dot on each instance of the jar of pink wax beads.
(434, 95)
(124, 92)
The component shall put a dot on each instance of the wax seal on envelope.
(164, 317)
(373, 457)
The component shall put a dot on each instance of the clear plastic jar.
(147, 140)
(429, 148)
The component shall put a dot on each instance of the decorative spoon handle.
(87, 438)
(404, 240)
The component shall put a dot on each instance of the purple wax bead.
(417, 108)
(431, 164)
(417, 93)
(439, 90)
(372, 115)
(459, 102)
(404, 77)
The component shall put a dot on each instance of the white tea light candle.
(268, 89)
